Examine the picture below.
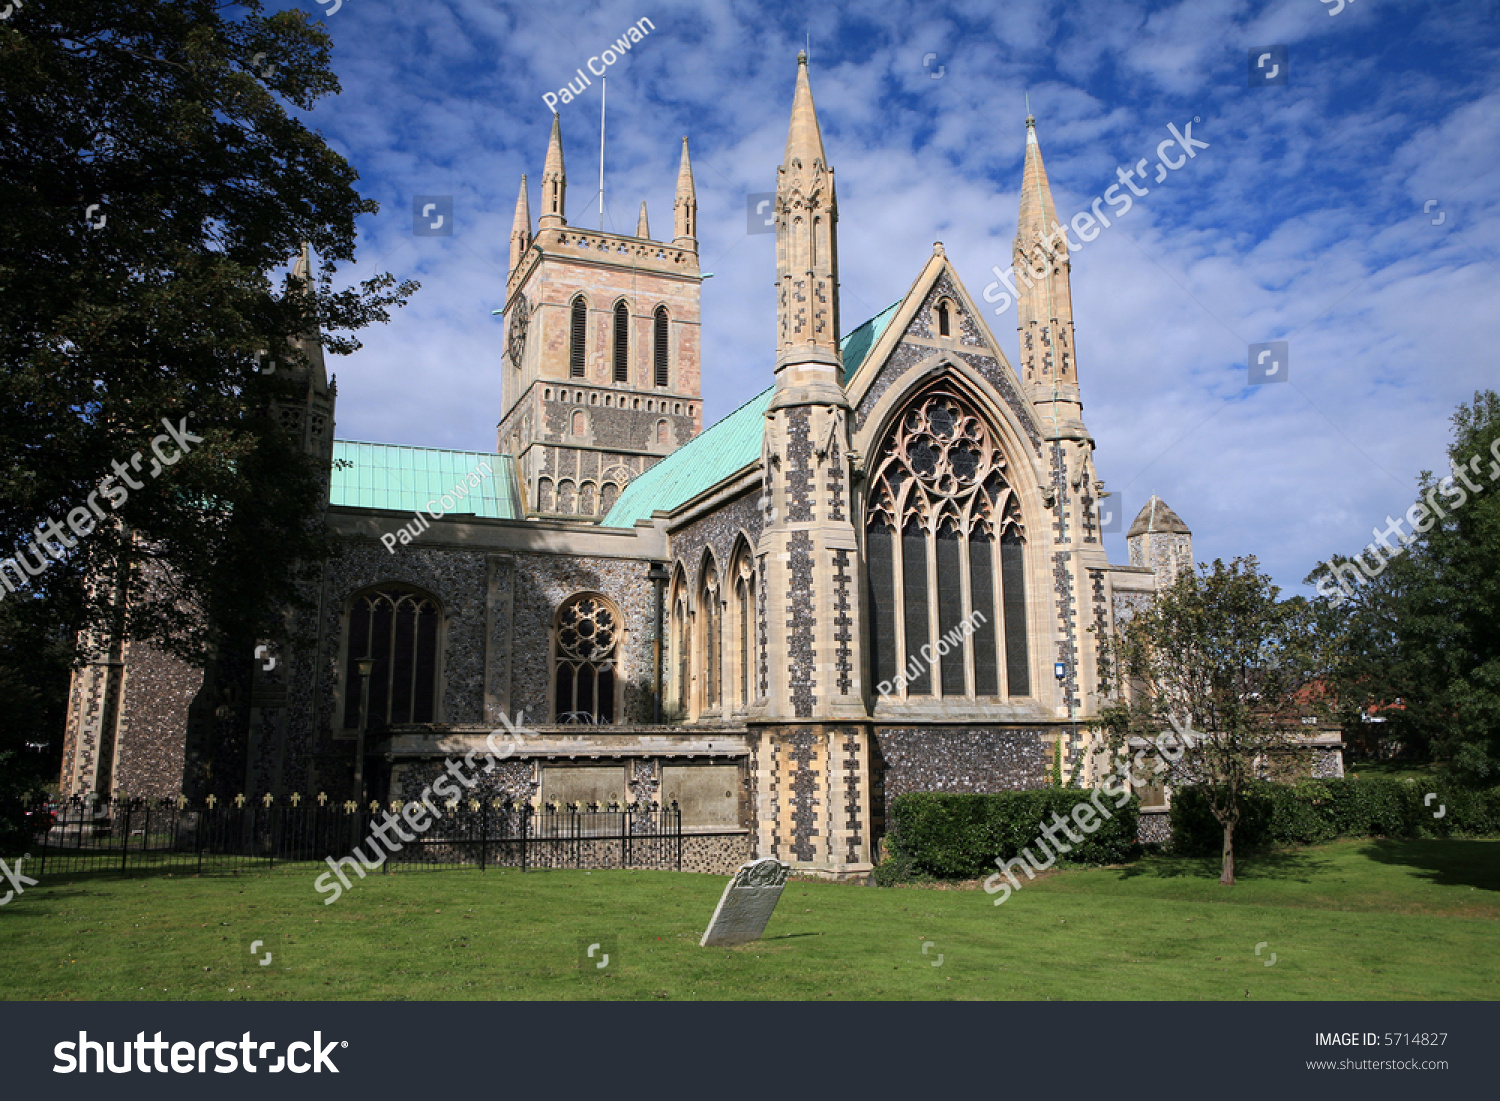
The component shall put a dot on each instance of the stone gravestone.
(746, 905)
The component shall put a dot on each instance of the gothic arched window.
(622, 342)
(577, 337)
(660, 331)
(398, 627)
(713, 638)
(743, 575)
(586, 660)
(940, 508)
(680, 648)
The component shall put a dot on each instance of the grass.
(1352, 919)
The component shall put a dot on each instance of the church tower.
(601, 364)
(1049, 373)
(811, 755)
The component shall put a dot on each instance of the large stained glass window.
(945, 562)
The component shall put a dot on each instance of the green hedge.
(945, 836)
(1321, 810)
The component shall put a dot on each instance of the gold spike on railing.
(322, 798)
(296, 798)
(212, 801)
(267, 800)
(239, 800)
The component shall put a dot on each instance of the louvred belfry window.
(945, 545)
(577, 335)
(659, 350)
(622, 342)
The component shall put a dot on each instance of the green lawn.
(1354, 919)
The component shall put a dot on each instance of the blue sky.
(1309, 219)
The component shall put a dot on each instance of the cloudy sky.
(1308, 219)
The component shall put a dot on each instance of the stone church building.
(884, 573)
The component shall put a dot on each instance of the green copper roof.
(729, 446)
(404, 479)
(857, 344)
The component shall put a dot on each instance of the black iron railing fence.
(241, 834)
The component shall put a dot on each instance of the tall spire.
(302, 266)
(308, 343)
(520, 229)
(803, 138)
(685, 206)
(642, 225)
(806, 243)
(554, 181)
(1044, 301)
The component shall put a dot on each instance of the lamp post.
(658, 576)
(365, 666)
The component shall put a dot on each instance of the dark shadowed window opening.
(576, 338)
(981, 589)
(659, 351)
(622, 342)
(398, 627)
(1013, 581)
(918, 628)
(950, 602)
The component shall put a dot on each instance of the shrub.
(954, 836)
(1313, 811)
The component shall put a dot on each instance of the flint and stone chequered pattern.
(797, 471)
(645, 781)
(1101, 621)
(89, 709)
(836, 482)
(981, 759)
(760, 623)
(812, 786)
(805, 805)
(843, 632)
(800, 625)
(1062, 580)
(854, 799)
(1062, 591)
(1154, 827)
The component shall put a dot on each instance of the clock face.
(520, 317)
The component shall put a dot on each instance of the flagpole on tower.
(603, 92)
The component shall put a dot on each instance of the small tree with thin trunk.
(1229, 667)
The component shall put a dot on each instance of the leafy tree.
(1229, 666)
(1417, 613)
(155, 179)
